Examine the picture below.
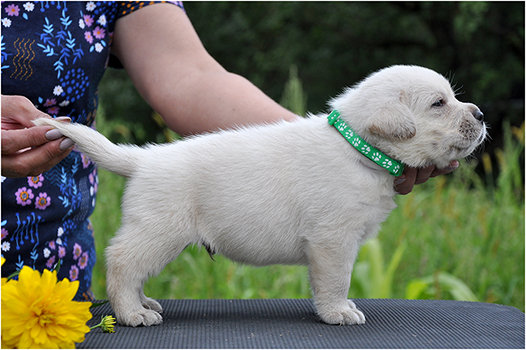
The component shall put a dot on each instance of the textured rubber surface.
(292, 323)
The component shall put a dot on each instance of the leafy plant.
(372, 278)
(437, 286)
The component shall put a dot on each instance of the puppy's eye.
(438, 103)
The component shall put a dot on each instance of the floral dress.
(55, 53)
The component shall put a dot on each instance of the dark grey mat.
(292, 323)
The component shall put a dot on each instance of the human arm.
(28, 150)
(180, 80)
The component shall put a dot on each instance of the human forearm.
(208, 101)
(181, 81)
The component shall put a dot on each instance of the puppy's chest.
(375, 213)
(373, 203)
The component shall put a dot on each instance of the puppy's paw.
(151, 304)
(142, 317)
(357, 312)
(346, 315)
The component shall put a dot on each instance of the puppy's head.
(411, 114)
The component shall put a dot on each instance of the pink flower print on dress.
(74, 273)
(24, 196)
(4, 233)
(51, 262)
(88, 20)
(52, 245)
(50, 103)
(99, 33)
(43, 201)
(61, 252)
(88, 37)
(83, 261)
(53, 110)
(77, 250)
(85, 161)
(12, 10)
(35, 181)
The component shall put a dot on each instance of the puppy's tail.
(119, 159)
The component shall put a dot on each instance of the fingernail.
(53, 135)
(63, 119)
(66, 144)
(452, 167)
(399, 181)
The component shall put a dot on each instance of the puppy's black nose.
(478, 115)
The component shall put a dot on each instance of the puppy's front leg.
(330, 269)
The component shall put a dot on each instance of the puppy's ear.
(395, 121)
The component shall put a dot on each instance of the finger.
(34, 161)
(406, 186)
(18, 112)
(423, 174)
(452, 166)
(10, 123)
(16, 140)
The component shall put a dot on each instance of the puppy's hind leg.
(131, 260)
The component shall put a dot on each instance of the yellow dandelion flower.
(106, 324)
(38, 312)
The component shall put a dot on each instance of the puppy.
(285, 193)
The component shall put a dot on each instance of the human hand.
(28, 150)
(415, 176)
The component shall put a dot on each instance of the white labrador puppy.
(286, 193)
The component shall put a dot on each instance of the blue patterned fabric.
(55, 53)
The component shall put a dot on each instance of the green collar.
(395, 167)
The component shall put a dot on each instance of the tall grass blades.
(294, 98)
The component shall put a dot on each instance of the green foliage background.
(458, 236)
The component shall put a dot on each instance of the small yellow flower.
(106, 324)
(38, 312)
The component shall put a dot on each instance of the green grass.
(451, 238)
